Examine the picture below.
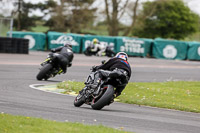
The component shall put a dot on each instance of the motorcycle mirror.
(103, 61)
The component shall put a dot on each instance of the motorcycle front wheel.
(87, 53)
(79, 100)
(44, 72)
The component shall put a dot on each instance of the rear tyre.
(104, 100)
(79, 100)
(43, 73)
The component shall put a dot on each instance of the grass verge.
(22, 124)
(181, 95)
(40, 28)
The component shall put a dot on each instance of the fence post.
(11, 27)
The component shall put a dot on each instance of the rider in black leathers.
(113, 68)
(64, 57)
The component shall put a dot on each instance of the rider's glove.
(94, 68)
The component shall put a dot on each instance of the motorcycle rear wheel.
(104, 100)
(44, 71)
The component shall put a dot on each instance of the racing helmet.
(95, 41)
(122, 55)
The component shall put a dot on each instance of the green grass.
(40, 28)
(3, 30)
(193, 37)
(22, 124)
(184, 96)
(71, 86)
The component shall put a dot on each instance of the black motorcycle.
(100, 96)
(50, 68)
(108, 52)
(88, 51)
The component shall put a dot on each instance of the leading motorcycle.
(108, 51)
(50, 68)
(100, 96)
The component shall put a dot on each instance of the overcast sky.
(194, 5)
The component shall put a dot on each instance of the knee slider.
(115, 74)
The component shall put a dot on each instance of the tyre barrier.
(14, 45)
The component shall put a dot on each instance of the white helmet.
(122, 55)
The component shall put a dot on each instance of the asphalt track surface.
(18, 72)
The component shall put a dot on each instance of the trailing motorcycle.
(100, 96)
(50, 68)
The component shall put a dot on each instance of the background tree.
(57, 21)
(82, 15)
(133, 8)
(72, 15)
(25, 22)
(166, 19)
(114, 11)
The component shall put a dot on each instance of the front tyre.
(87, 53)
(79, 100)
(104, 100)
(43, 73)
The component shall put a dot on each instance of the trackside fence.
(140, 47)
